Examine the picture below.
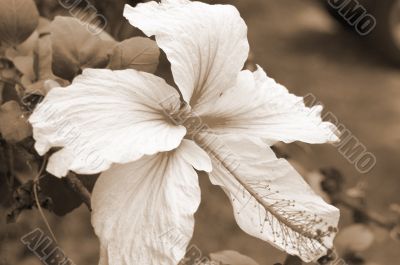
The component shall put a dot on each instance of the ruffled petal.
(205, 44)
(143, 210)
(271, 200)
(258, 106)
(106, 117)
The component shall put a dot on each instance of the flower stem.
(35, 188)
(77, 185)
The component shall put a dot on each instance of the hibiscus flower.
(149, 138)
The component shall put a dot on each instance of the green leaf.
(137, 53)
(18, 19)
(75, 48)
(14, 125)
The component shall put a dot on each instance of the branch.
(77, 185)
(35, 193)
(9, 157)
(370, 216)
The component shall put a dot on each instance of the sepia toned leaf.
(314, 179)
(292, 260)
(354, 238)
(64, 198)
(395, 233)
(14, 126)
(18, 19)
(44, 58)
(5, 188)
(8, 73)
(42, 67)
(5, 191)
(24, 64)
(9, 92)
(24, 49)
(137, 53)
(25, 166)
(23, 59)
(43, 27)
(75, 48)
(231, 257)
(1, 92)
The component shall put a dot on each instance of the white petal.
(106, 117)
(196, 156)
(206, 44)
(271, 200)
(258, 106)
(143, 210)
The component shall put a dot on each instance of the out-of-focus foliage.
(75, 48)
(354, 238)
(136, 53)
(63, 198)
(14, 126)
(37, 54)
(19, 18)
(232, 258)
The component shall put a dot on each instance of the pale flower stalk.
(140, 129)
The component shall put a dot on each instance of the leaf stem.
(35, 188)
(9, 157)
(370, 216)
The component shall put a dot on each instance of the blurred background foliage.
(301, 46)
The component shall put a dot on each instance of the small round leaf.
(75, 47)
(18, 19)
(135, 53)
(14, 125)
(354, 238)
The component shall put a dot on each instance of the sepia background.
(306, 49)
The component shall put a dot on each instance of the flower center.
(187, 118)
